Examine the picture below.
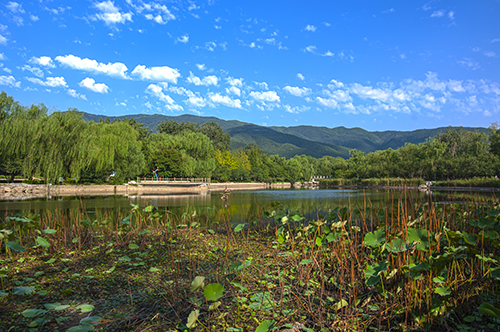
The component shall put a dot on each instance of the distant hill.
(290, 141)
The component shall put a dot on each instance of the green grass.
(408, 267)
(474, 182)
(371, 182)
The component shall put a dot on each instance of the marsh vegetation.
(412, 265)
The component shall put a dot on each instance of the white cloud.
(34, 18)
(181, 91)
(296, 109)
(201, 66)
(165, 73)
(210, 46)
(438, 13)
(271, 96)
(451, 15)
(75, 94)
(296, 91)
(310, 28)
(2, 57)
(161, 13)
(43, 61)
(490, 54)
(370, 93)
(35, 70)
(328, 53)
(90, 84)
(183, 39)
(235, 81)
(300, 76)
(110, 14)
(157, 91)
(3, 40)
(327, 102)
(469, 63)
(15, 7)
(116, 69)
(9, 80)
(234, 90)
(196, 102)
(262, 85)
(310, 49)
(206, 81)
(53, 82)
(335, 84)
(225, 100)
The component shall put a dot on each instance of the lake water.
(241, 206)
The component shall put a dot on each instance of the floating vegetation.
(410, 266)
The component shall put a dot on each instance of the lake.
(241, 206)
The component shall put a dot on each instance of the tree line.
(36, 143)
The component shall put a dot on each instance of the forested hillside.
(290, 141)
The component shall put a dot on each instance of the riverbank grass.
(406, 267)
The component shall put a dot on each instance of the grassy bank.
(474, 182)
(371, 182)
(410, 266)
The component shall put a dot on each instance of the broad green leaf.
(266, 326)
(490, 310)
(90, 320)
(49, 231)
(372, 272)
(148, 208)
(154, 269)
(342, 303)
(495, 273)
(146, 231)
(15, 246)
(443, 290)
(42, 242)
(81, 328)
(85, 307)
(397, 245)
(2, 293)
(29, 313)
(214, 305)
(24, 290)
(376, 238)
(126, 221)
(297, 217)
(133, 246)
(57, 306)
(198, 283)
(213, 291)
(420, 236)
(305, 261)
(193, 317)
(239, 227)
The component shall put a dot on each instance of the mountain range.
(297, 140)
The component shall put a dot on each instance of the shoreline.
(24, 191)
(14, 191)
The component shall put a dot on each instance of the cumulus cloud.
(157, 91)
(116, 69)
(3, 40)
(201, 66)
(310, 49)
(53, 82)
(206, 81)
(235, 81)
(438, 13)
(164, 73)
(196, 102)
(161, 13)
(233, 90)
(43, 61)
(110, 14)
(75, 94)
(35, 70)
(262, 85)
(265, 96)
(310, 28)
(296, 91)
(224, 100)
(90, 84)
(183, 39)
(15, 7)
(295, 109)
(300, 76)
(9, 81)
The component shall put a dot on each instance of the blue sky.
(378, 65)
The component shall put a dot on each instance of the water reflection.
(241, 206)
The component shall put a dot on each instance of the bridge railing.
(162, 179)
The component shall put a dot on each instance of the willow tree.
(109, 147)
(18, 130)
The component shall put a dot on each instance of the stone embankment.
(34, 191)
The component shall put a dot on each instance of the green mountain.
(290, 141)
